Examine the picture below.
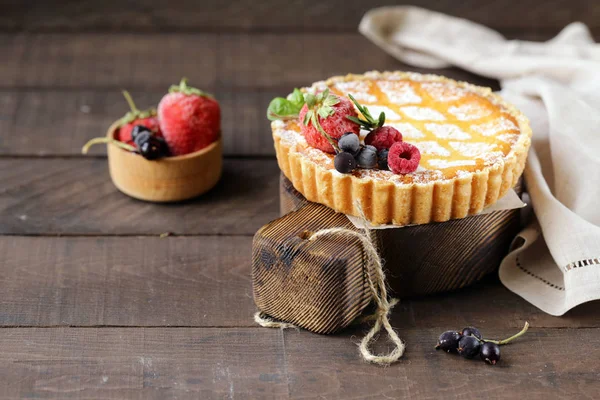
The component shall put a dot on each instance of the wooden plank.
(117, 363)
(203, 282)
(543, 364)
(126, 281)
(191, 363)
(58, 123)
(220, 62)
(76, 196)
(247, 15)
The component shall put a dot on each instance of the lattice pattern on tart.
(456, 129)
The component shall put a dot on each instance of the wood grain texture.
(189, 363)
(67, 119)
(420, 259)
(203, 281)
(319, 285)
(217, 61)
(247, 15)
(76, 196)
(126, 281)
(119, 363)
(539, 366)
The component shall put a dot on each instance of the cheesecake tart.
(473, 148)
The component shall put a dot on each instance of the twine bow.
(376, 282)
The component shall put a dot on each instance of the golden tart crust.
(473, 145)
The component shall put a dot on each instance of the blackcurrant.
(152, 149)
(490, 353)
(469, 346)
(471, 331)
(344, 162)
(382, 157)
(137, 130)
(349, 142)
(367, 158)
(141, 138)
(448, 341)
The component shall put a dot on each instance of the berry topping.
(142, 138)
(382, 159)
(490, 353)
(469, 346)
(367, 158)
(403, 158)
(448, 341)
(349, 142)
(471, 331)
(344, 162)
(324, 117)
(135, 117)
(383, 137)
(153, 148)
(139, 129)
(190, 119)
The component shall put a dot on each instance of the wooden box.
(320, 287)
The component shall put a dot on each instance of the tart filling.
(473, 148)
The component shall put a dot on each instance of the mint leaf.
(287, 108)
(296, 97)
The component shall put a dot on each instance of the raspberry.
(124, 132)
(403, 158)
(383, 137)
(335, 125)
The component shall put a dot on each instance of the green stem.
(317, 125)
(130, 101)
(183, 85)
(99, 140)
(513, 337)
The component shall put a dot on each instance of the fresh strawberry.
(383, 137)
(135, 117)
(189, 118)
(403, 158)
(324, 119)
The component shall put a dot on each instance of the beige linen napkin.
(555, 262)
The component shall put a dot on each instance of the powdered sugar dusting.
(423, 113)
(496, 126)
(511, 138)
(443, 164)
(408, 131)
(469, 111)
(470, 149)
(390, 115)
(447, 131)
(432, 147)
(358, 89)
(399, 92)
(443, 92)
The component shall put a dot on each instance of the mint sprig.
(288, 108)
(368, 123)
(321, 105)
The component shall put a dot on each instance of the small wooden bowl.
(168, 179)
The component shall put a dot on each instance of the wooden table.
(94, 304)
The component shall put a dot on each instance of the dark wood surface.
(94, 304)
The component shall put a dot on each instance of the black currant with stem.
(510, 339)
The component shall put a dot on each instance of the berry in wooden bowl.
(176, 157)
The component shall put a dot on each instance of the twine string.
(376, 281)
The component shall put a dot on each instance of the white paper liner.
(509, 201)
